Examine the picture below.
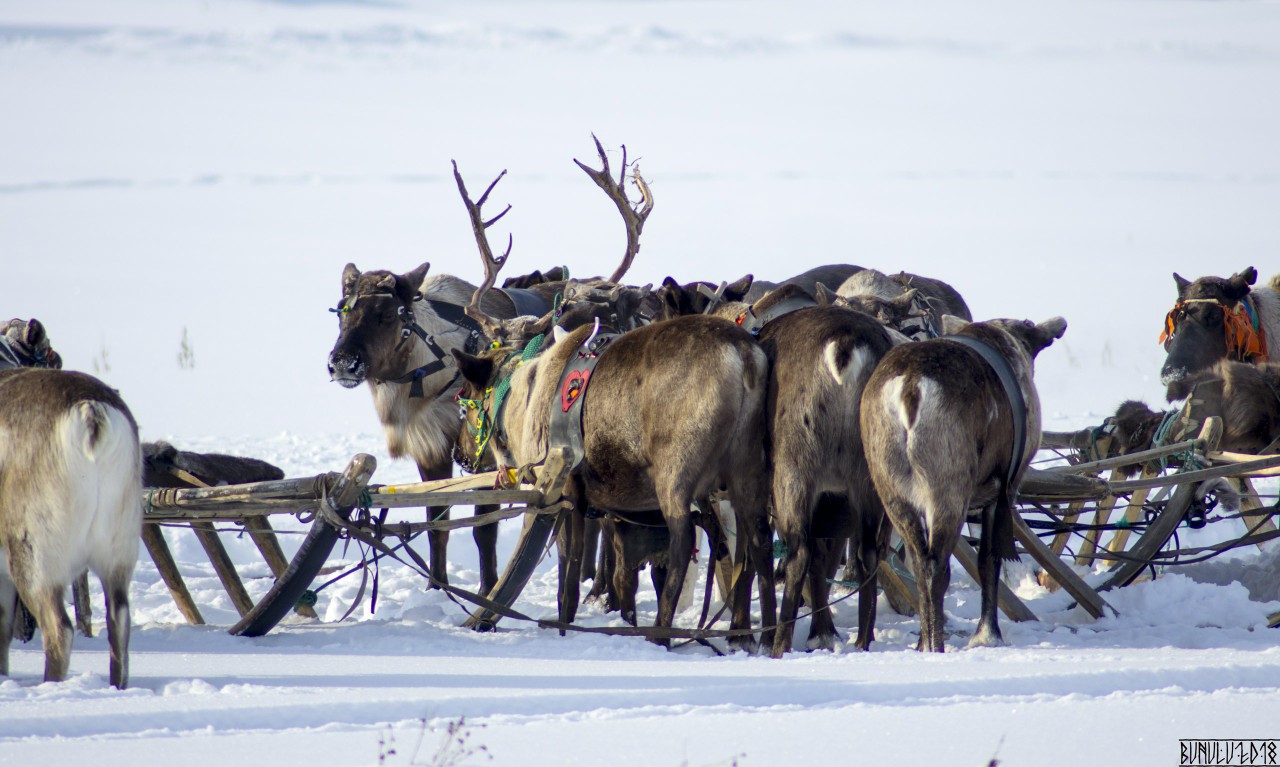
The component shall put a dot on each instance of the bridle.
(451, 313)
(1245, 338)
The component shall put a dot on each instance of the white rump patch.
(857, 361)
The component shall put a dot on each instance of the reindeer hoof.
(986, 637)
(829, 642)
(745, 643)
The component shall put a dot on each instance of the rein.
(1245, 338)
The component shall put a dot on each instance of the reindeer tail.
(846, 360)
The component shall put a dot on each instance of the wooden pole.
(223, 566)
(344, 493)
(264, 537)
(153, 539)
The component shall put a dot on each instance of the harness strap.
(1017, 403)
(564, 428)
(753, 323)
(453, 314)
(525, 302)
(8, 357)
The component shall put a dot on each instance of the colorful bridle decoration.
(1245, 338)
(487, 420)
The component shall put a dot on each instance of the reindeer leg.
(8, 614)
(486, 538)
(624, 581)
(676, 510)
(936, 566)
(571, 586)
(602, 585)
(873, 550)
(116, 588)
(988, 632)
(438, 539)
(792, 505)
(825, 561)
(55, 628)
(910, 526)
(591, 544)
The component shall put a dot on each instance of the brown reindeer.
(1219, 318)
(909, 303)
(639, 452)
(1250, 410)
(395, 334)
(820, 358)
(945, 429)
(70, 498)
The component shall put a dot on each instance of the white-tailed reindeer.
(70, 498)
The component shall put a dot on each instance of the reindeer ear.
(738, 289)
(1238, 284)
(951, 324)
(823, 295)
(349, 276)
(904, 301)
(1052, 328)
(34, 333)
(671, 296)
(477, 370)
(409, 283)
(1181, 282)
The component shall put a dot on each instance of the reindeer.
(820, 359)
(909, 303)
(1215, 319)
(949, 423)
(24, 343)
(396, 332)
(70, 498)
(820, 356)
(637, 453)
(675, 300)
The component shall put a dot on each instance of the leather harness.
(1017, 403)
(8, 357)
(753, 323)
(526, 302)
(564, 428)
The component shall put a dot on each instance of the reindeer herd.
(828, 411)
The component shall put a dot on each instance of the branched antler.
(492, 265)
(633, 216)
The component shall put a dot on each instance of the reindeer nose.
(343, 364)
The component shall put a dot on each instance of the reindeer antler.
(633, 216)
(492, 265)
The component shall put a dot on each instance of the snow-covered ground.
(206, 168)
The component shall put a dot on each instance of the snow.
(208, 168)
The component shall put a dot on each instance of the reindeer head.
(30, 344)
(676, 300)
(373, 340)
(1196, 329)
(1035, 338)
